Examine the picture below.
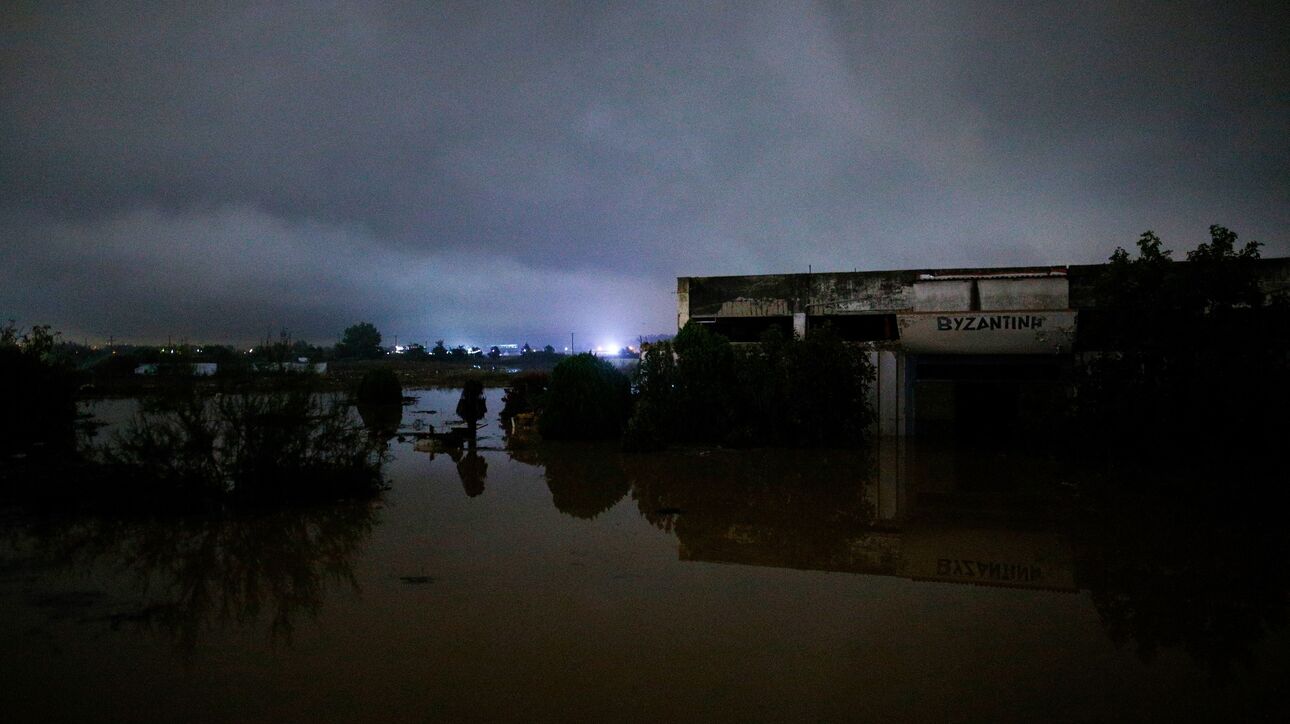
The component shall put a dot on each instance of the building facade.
(955, 350)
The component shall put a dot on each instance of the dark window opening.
(748, 329)
(858, 327)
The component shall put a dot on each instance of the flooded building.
(956, 350)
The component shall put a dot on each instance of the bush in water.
(588, 399)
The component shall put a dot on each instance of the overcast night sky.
(491, 172)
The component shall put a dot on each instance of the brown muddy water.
(575, 583)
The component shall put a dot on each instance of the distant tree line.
(361, 341)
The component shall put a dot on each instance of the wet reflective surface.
(579, 583)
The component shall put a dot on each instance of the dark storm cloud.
(481, 168)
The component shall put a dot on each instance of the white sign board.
(1019, 332)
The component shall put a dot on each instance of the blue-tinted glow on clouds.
(487, 172)
(310, 278)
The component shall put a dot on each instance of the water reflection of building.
(924, 517)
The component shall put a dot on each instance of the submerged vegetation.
(290, 445)
(699, 388)
(587, 400)
(191, 450)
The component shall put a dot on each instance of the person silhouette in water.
(471, 407)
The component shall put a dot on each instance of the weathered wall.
(831, 293)
(1008, 294)
(899, 291)
(943, 296)
(708, 295)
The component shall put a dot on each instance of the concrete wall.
(943, 296)
(898, 291)
(1008, 294)
(839, 292)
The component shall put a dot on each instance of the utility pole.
(572, 350)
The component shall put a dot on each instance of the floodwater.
(575, 583)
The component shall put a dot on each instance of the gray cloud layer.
(493, 171)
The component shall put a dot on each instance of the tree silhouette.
(361, 340)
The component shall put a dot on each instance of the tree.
(1221, 277)
(439, 350)
(37, 392)
(526, 348)
(549, 349)
(808, 392)
(705, 383)
(361, 340)
(588, 399)
(459, 352)
(301, 348)
(1183, 345)
(654, 381)
(494, 352)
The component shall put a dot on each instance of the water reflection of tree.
(585, 480)
(821, 489)
(797, 509)
(382, 421)
(1193, 564)
(473, 470)
(196, 574)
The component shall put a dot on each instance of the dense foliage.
(783, 392)
(588, 400)
(1191, 354)
(361, 340)
(525, 393)
(37, 391)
